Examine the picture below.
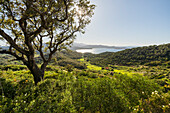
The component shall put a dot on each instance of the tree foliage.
(31, 26)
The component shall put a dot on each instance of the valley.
(76, 82)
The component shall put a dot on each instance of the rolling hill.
(147, 55)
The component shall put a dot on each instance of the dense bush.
(68, 92)
(156, 103)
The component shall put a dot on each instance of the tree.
(41, 26)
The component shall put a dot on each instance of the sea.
(98, 50)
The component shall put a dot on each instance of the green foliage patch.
(78, 91)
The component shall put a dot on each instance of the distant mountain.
(147, 55)
(76, 46)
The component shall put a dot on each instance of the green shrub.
(71, 92)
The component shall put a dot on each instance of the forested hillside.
(151, 55)
(148, 55)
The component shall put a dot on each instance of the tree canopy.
(39, 26)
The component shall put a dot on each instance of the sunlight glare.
(78, 10)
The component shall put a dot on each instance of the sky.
(128, 23)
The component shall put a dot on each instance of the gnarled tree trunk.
(37, 73)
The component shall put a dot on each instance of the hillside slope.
(147, 55)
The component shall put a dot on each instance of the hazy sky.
(129, 23)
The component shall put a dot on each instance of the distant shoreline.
(98, 50)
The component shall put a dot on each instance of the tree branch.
(66, 11)
(40, 50)
(16, 56)
(35, 33)
(10, 11)
(12, 43)
(11, 53)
